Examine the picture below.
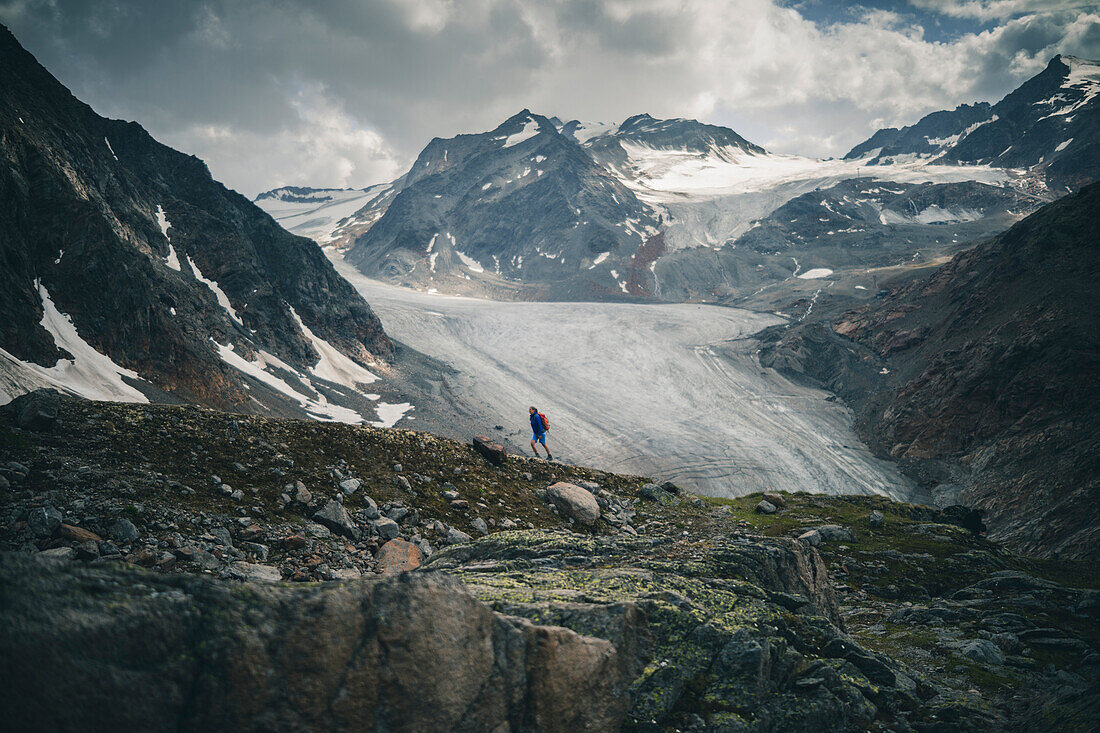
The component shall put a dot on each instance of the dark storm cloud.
(346, 93)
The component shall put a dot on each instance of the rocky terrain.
(982, 377)
(161, 569)
(130, 274)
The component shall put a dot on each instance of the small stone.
(295, 542)
(370, 508)
(257, 572)
(61, 554)
(237, 495)
(108, 548)
(508, 524)
(350, 486)
(450, 495)
(302, 495)
(456, 537)
(479, 526)
(336, 518)
(403, 482)
(397, 556)
(346, 574)
(876, 519)
(222, 537)
(385, 528)
(528, 477)
(398, 468)
(43, 521)
(123, 530)
(765, 507)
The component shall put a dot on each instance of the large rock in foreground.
(116, 649)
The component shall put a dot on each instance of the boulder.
(573, 501)
(410, 652)
(350, 485)
(43, 521)
(397, 556)
(38, 410)
(492, 452)
(480, 526)
(836, 533)
(776, 500)
(765, 507)
(335, 517)
(812, 538)
(654, 492)
(983, 651)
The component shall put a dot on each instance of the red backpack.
(545, 422)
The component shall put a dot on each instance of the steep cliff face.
(994, 365)
(125, 260)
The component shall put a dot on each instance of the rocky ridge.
(130, 273)
(835, 613)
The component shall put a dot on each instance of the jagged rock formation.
(146, 278)
(992, 379)
(1049, 124)
(111, 649)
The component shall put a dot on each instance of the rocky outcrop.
(114, 649)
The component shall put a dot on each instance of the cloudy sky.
(347, 92)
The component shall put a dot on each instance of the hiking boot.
(548, 456)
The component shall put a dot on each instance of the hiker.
(973, 522)
(539, 426)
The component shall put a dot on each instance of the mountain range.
(130, 274)
(678, 210)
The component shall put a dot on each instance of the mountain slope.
(129, 273)
(1050, 124)
(490, 212)
(994, 368)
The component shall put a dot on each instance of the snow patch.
(88, 373)
(318, 406)
(530, 129)
(110, 148)
(223, 299)
(599, 258)
(470, 262)
(815, 274)
(1063, 145)
(389, 414)
(333, 365)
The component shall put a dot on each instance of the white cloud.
(378, 79)
(999, 9)
(321, 146)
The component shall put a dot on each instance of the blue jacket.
(536, 424)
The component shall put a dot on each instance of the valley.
(664, 390)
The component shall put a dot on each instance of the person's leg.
(534, 445)
(547, 447)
